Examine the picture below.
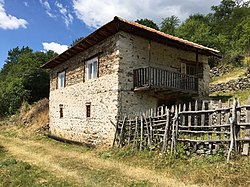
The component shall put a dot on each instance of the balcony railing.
(149, 77)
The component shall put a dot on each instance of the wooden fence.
(203, 127)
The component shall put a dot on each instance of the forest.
(226, 28)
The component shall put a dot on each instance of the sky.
(46, 25)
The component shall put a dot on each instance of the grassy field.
(30, 159)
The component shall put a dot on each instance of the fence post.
(232, 130)
(247, 130)
(174, 130)
(165, 137)
(136, 132)
(141, 141)
(122, 129)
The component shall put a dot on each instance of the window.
(88, 110)
(191, 70)
(61, 80)
(91, 69)
(61, 111)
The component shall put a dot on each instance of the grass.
(236, 73)
(39, 161)
(58, 164)
(200, 170)
(224, 96)
(15, 172)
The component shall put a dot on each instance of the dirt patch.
(77, 166)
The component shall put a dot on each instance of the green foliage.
(169, 24)
(148, 23)
(76, 41)
(22, 79)
(226, 28)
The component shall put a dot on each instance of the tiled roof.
(119, 24)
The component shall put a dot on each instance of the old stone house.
(122, 67)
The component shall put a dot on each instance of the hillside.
(230, 82)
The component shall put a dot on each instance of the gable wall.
(134, 54)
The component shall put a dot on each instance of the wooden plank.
(195, 127)
(237, 127)
(122, 131)
(195, 117)
(205, 111)
(210, 123)
(135, 142)
(141, 141)
(204, 132)
(202, 118)
(148, 132)
(151, 132)
(247, 130)
(203, 141)
(232, 133)
(218, 122)
(165, 138)
(189, 118)
(129, 131)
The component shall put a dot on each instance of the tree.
(148, 23)
(22, 79)
(169, 24)
(76, 41)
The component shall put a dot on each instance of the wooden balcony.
(156, 79)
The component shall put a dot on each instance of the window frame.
(61, 84)
(91, 66)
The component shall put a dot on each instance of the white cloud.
(8, 21)
(58, 48)
(66, 16)
(47, 8)
(26, 3)
(95, 13)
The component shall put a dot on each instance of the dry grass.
(233, 75)
(81, 166)
(78, 165)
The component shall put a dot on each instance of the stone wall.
(101, 93)
(134, 54)
(111, 94)
(233, 85)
